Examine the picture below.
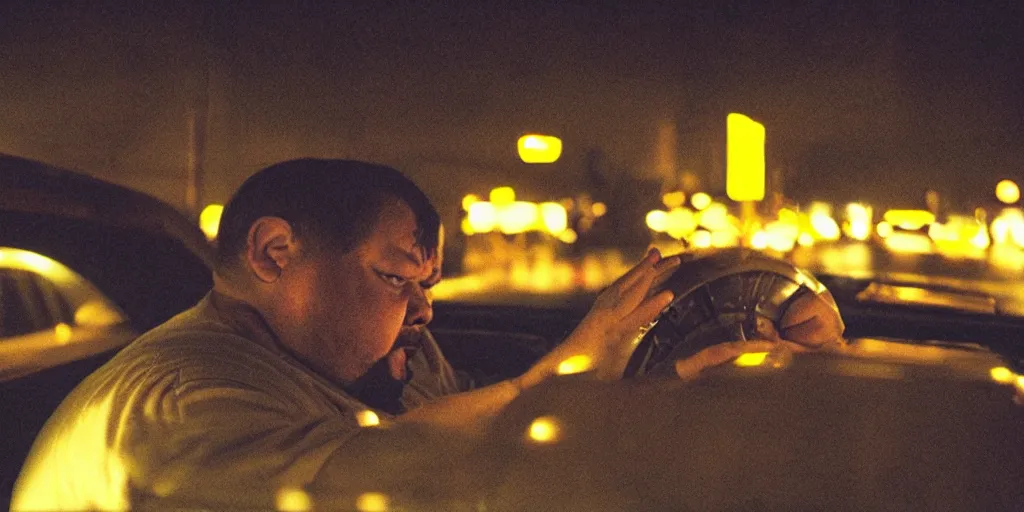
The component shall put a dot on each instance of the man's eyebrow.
(411, 256)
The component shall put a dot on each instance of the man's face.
(356, 305)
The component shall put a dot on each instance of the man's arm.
(604, 337)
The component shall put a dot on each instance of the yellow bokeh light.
(468, 200)
(751, 359)
(544, 429)
(701, 239)
(744, 158)
(209, 220)
(517, 217)
(599, 209)
(657, 220)
(1008, 192)
(909, 243)
(502, 195)
(1002, 375)
(555, 218)
(673, 199)
(715, 217)
(62, 332)
(759, 240)
(909, 219)
(539, 149)
(293, 500)
(367, 418)
(805, 240)
(700, 200)
(680, 222)
(884, 229)
(575, 364)
(482, 217)
(980, 240)
(568, 236)
(372, 502)
(467, 228)
(825, 226)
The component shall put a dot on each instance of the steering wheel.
(728, 295)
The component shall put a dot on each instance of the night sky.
(861, 100)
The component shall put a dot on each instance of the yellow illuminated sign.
(744, 159)
(539, 149)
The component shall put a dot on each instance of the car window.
(15, 313)
(56, 303)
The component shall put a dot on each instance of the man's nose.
(420, 310)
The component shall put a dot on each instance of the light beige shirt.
(209, 409)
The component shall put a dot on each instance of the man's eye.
(393, 280)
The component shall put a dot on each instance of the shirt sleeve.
(236, 446)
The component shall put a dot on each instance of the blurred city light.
(599, 209)
(744, 158)
(555, 217)
(909, 243)
(568, 236)
(468, 200)
(673, 199)
(909, 219)
(680, 223)
(657, 220)
(517, 217)
(209, 220)
(1007, 191)
(502, 195)
(859, 220)
(884, 229)
(701, 239)
(824, 225)
(539, 149)
(700, 201)
(482, 217)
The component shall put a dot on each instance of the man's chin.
(379, 387)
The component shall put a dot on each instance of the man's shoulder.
(195, 344)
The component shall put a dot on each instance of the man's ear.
(270, 247)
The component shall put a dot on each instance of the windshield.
(560, 140)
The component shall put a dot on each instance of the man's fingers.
(664, 269)
(812, 320)
(691, 367)
(646, 312)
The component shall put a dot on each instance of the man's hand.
(606, 334)
(812, 322)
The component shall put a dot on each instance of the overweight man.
(307, 361)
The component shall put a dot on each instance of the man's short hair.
(331, 204)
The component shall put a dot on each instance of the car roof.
(29, 186)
